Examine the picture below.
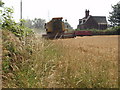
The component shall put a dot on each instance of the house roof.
(100, 19)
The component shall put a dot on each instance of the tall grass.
(58, 63)
(16, 61)
(26, 63)
(86, 66)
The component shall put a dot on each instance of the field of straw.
(89, 61)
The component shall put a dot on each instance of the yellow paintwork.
(50, 29)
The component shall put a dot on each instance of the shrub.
(109, 31)
(8, 23)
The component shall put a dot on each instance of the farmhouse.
(92, 22)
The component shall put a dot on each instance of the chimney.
(86, 13)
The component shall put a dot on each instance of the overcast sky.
(72, 10)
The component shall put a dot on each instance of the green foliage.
(16, 61)
(114, 17)
(8, 23)
(9, 50)
(1, 4)
(109, 31)
(6, 64)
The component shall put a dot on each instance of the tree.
(28, 23)
(7, 23)
(1, 4)
(38, 23)
(114, 17)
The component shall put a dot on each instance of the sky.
(72, 10)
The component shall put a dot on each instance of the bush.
(8, 23)
(16, 61)
(117, 29)
(109, 31)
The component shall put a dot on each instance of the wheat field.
(89, 61)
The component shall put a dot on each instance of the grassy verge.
(27, 64)
(16, 62)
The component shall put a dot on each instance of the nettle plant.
(7, 23)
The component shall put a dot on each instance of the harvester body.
(55, 28)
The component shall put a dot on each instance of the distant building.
(67, 25)
(92, 22)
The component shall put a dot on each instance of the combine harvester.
(56, 29)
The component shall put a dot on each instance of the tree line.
(37, 23)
